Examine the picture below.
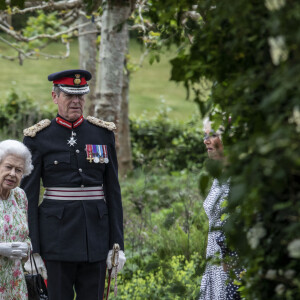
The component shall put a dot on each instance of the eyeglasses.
(74, 96)
(209, 136)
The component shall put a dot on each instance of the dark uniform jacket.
(73, 230)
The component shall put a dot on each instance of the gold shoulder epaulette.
(108, 125)
(33, 130)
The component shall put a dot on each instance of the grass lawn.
(150, 88)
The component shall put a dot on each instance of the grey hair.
(207, 127)
(206, 124)
(16, 148)
(56, 90)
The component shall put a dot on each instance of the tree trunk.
(124, 153)
(114, 39)
(87, 60)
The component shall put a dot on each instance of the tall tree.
(111, 83)
(113, 47)
(87, 40)
(125, 155)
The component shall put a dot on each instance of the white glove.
(121, 262)
(39, 264)
(15, 250)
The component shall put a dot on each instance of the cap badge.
(77, 79)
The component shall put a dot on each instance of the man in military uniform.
(81, 215)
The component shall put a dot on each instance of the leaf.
(156, 34)
(214, 167)
(151, 59)
(203, 182)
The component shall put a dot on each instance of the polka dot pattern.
(216, 284)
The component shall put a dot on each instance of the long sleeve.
(113, 198)
(31, 186)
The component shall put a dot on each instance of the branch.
(141, 27)
(47, 55)
(96, 20)
(88, 32)
(11, 58)
(21, 38)
(143, 56)
(21, 54)
(12, 46)
(62, 5)
(12, 33)
(70, 17)
(58, 34)
(141, 6)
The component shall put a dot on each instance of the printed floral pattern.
(13, 228)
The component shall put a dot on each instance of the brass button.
(80, 170)
(55, 162)
(77, 151)
(82, 186)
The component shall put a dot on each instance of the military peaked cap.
(72, 81)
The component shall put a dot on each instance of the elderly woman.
(15, 162)
(214, 281)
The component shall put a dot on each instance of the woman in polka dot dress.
(214, 280)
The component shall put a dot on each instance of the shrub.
(164, 217)
(18, 112)
(163, 142)
(249, 49)
(175, 278)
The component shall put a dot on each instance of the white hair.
(16, 148)
(206, 124)
(207, 127)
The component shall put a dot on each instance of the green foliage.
(177, 278)
(250, 51)
(18, 3)
(163, 210)
(165, 235)
(18, 112)
(169, 17)
(171, 25)
(42, 23)
(170, 144)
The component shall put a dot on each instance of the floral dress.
(213, 284)
(13, 228)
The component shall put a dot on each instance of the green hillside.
(150, 88)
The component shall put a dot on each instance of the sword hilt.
(115, 255)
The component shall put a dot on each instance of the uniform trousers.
(87, 279)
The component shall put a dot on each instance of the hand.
(15, 250)
(120, 263)
(39, 264)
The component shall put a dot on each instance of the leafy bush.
(165, 235)
(163, 142)
(18, 112)
(250, 51)
(176, 278)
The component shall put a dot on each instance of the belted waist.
(71, 193)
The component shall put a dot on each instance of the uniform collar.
(61, 121)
